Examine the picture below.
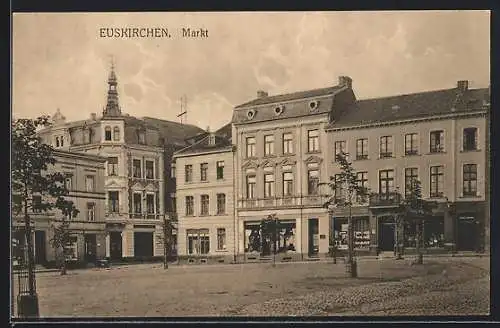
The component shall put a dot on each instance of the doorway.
(40, 250)
(143, 244)
(313, 248)
(467, 234)
(386, 234)
(90, 248)
(115, 245)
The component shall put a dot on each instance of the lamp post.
(333, 246)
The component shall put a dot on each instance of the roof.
(290, 96)
(173, 132)
(413, 105)
(222, 141)
(295, 104)
(65, 153)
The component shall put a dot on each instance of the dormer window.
(313, 105)
(141, 136)
(211, 140)
(107, 133)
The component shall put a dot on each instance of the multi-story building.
(287, 146)
(205, 187)
(85, 183)
(134, 180)
(439, 138)
(282, 156)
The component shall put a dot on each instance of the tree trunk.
(351, 263)
(418, 242)
(29, 244)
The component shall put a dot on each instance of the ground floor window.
(143, 244)
(257, 242)
(361, 227)
(72, 249)
(433, 233)
(198, 241)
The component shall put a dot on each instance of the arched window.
(57, 141)
(107, 133)
(116, 133)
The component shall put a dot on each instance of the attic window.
(211, 140)
(313, 105)
(279, 109)
(251, 114)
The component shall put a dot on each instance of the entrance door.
(386, 236)
(115, 245)
(40, 251)
(143, 244)
(90, 248)
(313, 248)
(467, 234)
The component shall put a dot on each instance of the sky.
(60, 60)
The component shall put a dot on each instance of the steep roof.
(222, 141)
(173, 132)
(297, 104)
(413, 105)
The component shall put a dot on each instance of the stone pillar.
(241, 235)
(298, 235)
(107, 245)
(373, 233)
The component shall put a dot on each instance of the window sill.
(470, 151)
(203, 181)
(412, 155)
(251, 157)
(221, 251)
(436, 153)
(313, 152)
(221, 214)
(387, 157)
(470, 196)
(360, 159)
(203, 215)
(221, 179)
(288, 154)
(270, 156)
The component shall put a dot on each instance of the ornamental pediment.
(268, 163)
(288, 161)
(137, 186)
(250, 165)
(150, 187)
(313, 159)
(112, 184)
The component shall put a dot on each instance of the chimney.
(261, 94)
(463, 85)
(345, 81)
(93, 116)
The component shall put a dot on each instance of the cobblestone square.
(442, 286)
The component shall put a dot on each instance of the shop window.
(361, 227)
(198, 241)
(257, 242)
(72, 249)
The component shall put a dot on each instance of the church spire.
(112, 105)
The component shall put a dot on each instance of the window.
(313, 140)
(362, 180)
(62, 141)
(268, 145)
(72, 248)
(287, 184)
(203, 171)
(90, 212)
(116, 133)
(68, 182)
(411, 144)
(89, 183)
(437, 181)
(221, 239)
(205, 202)
(287, 143)
(136, 163)
(87, 135)
(57, 142)
(313, 181)
(361, 149)
(198, 241)
(189, 205)
(221, 203)
(470, 179)
(36, 203)
(173, 201)
(385, 146)
(107, 133)
(251, 182)
(250, 147)
(113, 166)
(137, 203)
(340, 148)
(113, 201)
(220, 170)
(150, 170)
(386, 183)
(172, 171)
(141, 137)
(150, 203)
(188, 173)
(437, 142)
(411, 176)
(268, 185)
(470, 139)
(340, 194)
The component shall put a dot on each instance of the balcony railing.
(391, 199)
(283, 202)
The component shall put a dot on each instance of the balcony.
(391, 199)
(283, 202)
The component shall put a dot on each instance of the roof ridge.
(416, 93)
(177, 123)
(196, 143)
